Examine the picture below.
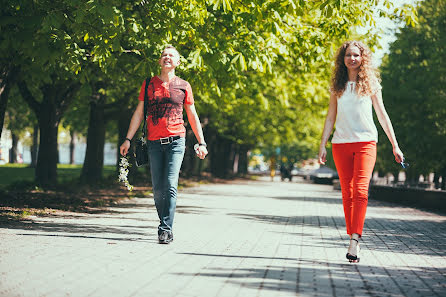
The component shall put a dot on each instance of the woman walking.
(354, 90)
(167, 95)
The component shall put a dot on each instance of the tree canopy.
(414, 90)
(259, 69)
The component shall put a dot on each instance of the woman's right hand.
(124, 148)
(322, 155)
(399, 156)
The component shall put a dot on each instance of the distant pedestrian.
(167, 95)
(355, 88)
(272, 168)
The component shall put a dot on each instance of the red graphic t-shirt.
(165, 108)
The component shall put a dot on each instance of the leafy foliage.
(414, 90)
(259, 69)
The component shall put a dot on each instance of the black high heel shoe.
(354, 258)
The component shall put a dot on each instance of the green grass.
(21, 214)
(13, 173)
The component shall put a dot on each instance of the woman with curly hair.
(354, 90)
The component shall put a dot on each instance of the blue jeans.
(165, 164)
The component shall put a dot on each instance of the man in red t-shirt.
(167, 96)
(165, 108)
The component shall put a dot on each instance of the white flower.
(124, 162)
(123, 173)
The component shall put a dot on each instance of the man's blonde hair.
(172, 47)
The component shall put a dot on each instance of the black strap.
(146, 107)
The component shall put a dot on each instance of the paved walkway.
(256, 238)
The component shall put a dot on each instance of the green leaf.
(116, 45)
(135, 28)
(329, 11)
(227, 5)
(242, 62)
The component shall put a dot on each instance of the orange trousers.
(355, 163)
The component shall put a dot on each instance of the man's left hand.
(201, 152)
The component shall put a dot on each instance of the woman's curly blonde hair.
(368, 79)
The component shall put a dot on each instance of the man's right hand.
(124, 148)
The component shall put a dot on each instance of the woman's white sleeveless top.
(354, 119)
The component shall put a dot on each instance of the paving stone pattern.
(244, 238)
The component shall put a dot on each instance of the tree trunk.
(411, 176)
(72, 146)
(436, 180)
(443, 179)
(396, 174)
(13, 151)
(4, 92)
(243, 159)
(57, 155)
(6, 81)
(34, 147)
(188, 166)
(46, 167)
(220, 156)
(94, 156)
(56, 98)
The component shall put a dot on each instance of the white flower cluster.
(123, 172)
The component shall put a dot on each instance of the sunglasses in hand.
(404, 164)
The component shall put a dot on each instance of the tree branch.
(28, 96)
(66, 98)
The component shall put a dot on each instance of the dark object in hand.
(141, 154)
(404, 164)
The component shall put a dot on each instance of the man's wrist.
(128, 139)
(202, 144)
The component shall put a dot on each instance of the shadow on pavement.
(237, 256)
(92, 237)
(190, 209)
(318, 278)
(405, 236)
(334, 200)
(81, 228)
